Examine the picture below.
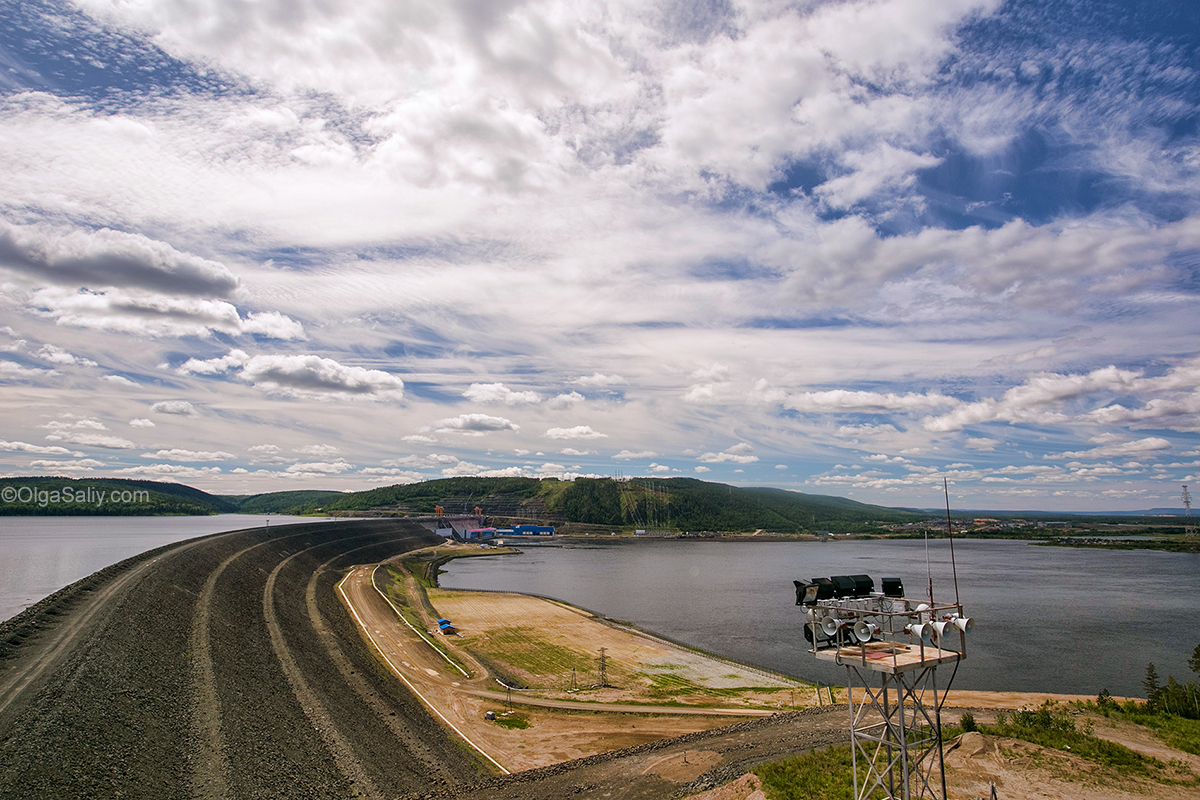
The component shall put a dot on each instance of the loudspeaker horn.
(939, 629)
(831, 625)
(863, 630)
(922, 631)
(964, 624)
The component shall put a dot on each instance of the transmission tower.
(1189, 525)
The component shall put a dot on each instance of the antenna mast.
(1189, 525)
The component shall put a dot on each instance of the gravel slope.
(140, 683)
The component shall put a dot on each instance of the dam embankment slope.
(219, 667)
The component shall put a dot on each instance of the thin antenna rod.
(950, 533)
(928, 568)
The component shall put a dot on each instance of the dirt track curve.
(226, 667)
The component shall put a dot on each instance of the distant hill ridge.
(675, 504)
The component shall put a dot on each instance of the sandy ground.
(552, 736)
(555, 735)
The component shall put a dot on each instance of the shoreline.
(955, 698)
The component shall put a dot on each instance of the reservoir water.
(1048, 619)
(40, 555)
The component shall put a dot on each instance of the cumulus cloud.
(178, 408)
(58, 355)
(45, 450)
(417, 438)
(841, 400)
(119, 380)
(141, 422)
(169, 471)
(577, 432)
(316, 378)
(317, 450)
(629, 455)
(176, 454)
(1141, 447)
(473, 424)
(10, 370)
(110, 258)
(566, 400)
(155, 316)
(322, 467)
(80, 465)
(499, 393)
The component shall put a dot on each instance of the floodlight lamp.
(892, 587)
(863, 585)
(802, 588)
(843, 585)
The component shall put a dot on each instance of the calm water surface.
(40, 555)
(1047, 619)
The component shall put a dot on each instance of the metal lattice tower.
(1189, 525)
(891, 648)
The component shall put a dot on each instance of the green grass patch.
(515, 722)
(522, 649)
(820, 775)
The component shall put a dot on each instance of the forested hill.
(56, 496)
(682, 504)
(675, 504)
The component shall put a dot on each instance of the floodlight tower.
(891, 647)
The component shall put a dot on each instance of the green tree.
(1194, 661)
(1150, 683)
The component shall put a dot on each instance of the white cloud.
(10, 370)
(178, 408)
(981, 443)
(571, 451)
(1141, 447)
(658, 467)
(141, 422)
(81, 465)
(119, 380)
(322, 467)
(567, 400)
(316, 450)
(629, 455)
(177, 454)
(841, 400)
(169, 471)
(717, 458)
(110, 258)
(599, 379)
(45, 450)
(416, 438)
(155, 316)
(473, 424)
(781, 466)
(499, 393)
(702, 470)
(315, 378)
(577, 432)
(57, 355)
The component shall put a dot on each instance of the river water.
(1048, 619)
(40, 555)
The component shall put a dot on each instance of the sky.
(848, 248)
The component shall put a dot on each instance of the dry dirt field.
(553, 650)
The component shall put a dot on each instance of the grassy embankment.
(828, 774)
